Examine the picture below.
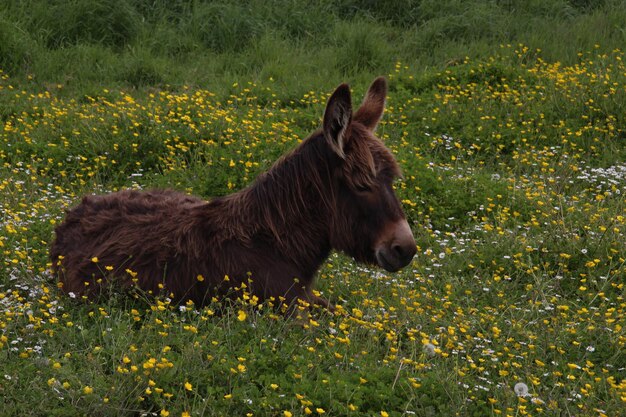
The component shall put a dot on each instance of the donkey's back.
(114, 233)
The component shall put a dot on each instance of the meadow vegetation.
(507, 118)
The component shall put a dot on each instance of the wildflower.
(429, 349)
(95, 259)
(87, 390)
(188, 386)
(241, 315)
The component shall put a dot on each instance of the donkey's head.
(368, 222)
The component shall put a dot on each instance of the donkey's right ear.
(337, 118)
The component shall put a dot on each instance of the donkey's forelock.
(366, 158)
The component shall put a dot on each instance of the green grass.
(506, 118)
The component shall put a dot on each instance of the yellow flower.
(87, 390)
(94, 259)
(287, 413)
(188, 386)
(241, 316)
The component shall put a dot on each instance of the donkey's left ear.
(337, 118)
(371, 110)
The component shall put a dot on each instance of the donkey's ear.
(371, 110)
(337, 118)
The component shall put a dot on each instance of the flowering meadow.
(514, 183)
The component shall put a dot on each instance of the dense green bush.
(15, 46)
(360, 48)
(224, 27)
(112, 23)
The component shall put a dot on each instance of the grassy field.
(507, 118)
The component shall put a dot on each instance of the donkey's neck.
(293, 203)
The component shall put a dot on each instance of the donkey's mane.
(297, 189)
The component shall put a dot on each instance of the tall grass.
(85, 43)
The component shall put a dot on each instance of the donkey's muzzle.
(397, 251)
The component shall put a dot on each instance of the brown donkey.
(334, 191)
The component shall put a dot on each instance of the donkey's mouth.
(391, 266)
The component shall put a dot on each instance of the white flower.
(521, 389)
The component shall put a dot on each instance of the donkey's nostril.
(404, 253)
(398, 251)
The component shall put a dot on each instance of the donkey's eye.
(362, 188)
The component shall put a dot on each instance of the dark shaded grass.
(85, 44)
